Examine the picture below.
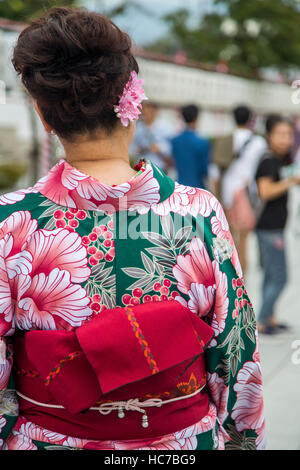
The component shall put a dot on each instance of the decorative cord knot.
(130, 405)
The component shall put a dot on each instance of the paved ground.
(281, 375)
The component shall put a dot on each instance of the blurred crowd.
(249, 172)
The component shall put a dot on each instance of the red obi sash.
(148, 359)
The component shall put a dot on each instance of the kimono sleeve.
(232, 358)
(8, 401)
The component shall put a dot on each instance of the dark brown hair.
(273, 119)
(75, 64)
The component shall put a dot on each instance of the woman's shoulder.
(189, 200)
(197, 193)
(267, 165)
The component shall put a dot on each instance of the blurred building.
(171, 85)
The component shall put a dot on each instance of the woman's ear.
(46, 126)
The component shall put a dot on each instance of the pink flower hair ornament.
(129, 107)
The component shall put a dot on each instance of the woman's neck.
(106, 158)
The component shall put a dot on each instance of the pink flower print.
(178, 202)
(91, 188)
(111, 224)
(19, 286)
(144, 191)
(61, 183)
(184, 444)
(200, 203)
(70, 176)
(207, 423)
(236, 262)
(5, 370)
(85, 204)
(52, 186)
(173, 444)
(248, 409)
(17, 441)
(6, 306)
(195, 267)
(35, 432)
(219, 221)
(186, 200)
(11, 198)
(2, 422)
(50, 296)
(261, 437)
(15, 196)
(74, 442)
(178, 298)
(67, 186)
(256, 357)
(223, 437)
(205, 284)
(221, 300)
(201, 298)
(221, 229)
(18, 263)
(59, 249)
(219, 393)
(16, 230)
(87, 187)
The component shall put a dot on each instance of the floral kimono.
(73, 248)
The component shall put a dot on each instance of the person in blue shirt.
(190, 151)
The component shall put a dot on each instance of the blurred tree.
(24, 10)
(248, 35)
(125, 5)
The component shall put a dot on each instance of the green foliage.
(124, 6)
(267, 34)
(24, 10)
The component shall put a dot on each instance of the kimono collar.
(67, 186)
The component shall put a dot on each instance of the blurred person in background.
(191, 152)
(273, 188)
(239, 179)
(152, 137)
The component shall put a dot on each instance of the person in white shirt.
(248, 149)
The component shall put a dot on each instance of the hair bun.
(75, 63)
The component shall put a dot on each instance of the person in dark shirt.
(273, 191)
(190, 151)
